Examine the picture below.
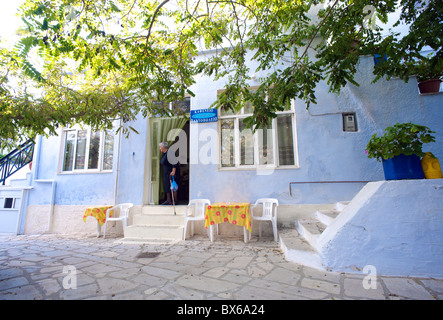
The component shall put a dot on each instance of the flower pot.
(378, 58)
(403, 167)
(431, 167)
(429, 86)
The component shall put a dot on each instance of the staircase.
(157, 223)
(15, 160)
(301, 244)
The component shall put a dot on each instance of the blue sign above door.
(204, 115)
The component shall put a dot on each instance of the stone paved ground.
(57, 267)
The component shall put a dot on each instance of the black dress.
(167, 169)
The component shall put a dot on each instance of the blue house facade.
(306, 157)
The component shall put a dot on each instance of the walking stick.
(172, 195)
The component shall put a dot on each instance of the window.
(9, 203)
(178, 107)
(181, 106)
(270, 147)
(85, 149)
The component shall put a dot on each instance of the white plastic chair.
(269, 213)
(123, 215)
(199, 215)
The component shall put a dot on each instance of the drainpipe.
(118, 164)
(52, 182)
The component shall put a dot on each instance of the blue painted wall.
(92, 188)
(71, 189)
(132, 164)
(325, 152)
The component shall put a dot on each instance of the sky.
(9, 22)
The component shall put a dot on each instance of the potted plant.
(400, 150)
(429, 76)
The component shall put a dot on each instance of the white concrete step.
(326, 216)
(154, 232)
(158, 219)
(312, 227)
(157, 223)
(298, 250)
(339, 206)
(158, 209)
(310, 230)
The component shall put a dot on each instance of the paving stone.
(108, 254)
(239, 262)
(83, 279)
(158, 295)
(284, 276)
(206, 284)
(322, 275)
(316, 284)
(83, 292)
(216, 272)
(10, 273)
(354, 288)
(161, 273)
(28, 292)
(109, 286)
(252, 293)
(52, 270)
(31, 267)
(125, 273)
(175, 290)
(100, 268)
(49, 286)
(433, 284)
(150, 291)
(129, 296)
(406, 288)
(310, 294)
(13, 282)
(266, 266)
(235, 277)
(149, 280)
(256, 272)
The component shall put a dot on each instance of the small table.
(98, 212)
(237, 213)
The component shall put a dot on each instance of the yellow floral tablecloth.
(235, 213)
(98, 212)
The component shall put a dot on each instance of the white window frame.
(14, 205)
(99, 168)
(170, 105)
(276, 165)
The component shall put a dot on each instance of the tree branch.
(316, 31)
(153, 19)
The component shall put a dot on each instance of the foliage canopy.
(112, 59)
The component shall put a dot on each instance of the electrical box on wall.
(349, 122)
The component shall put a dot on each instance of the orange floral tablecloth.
(98, 212)
(235, 213)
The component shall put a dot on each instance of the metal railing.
(15, 160)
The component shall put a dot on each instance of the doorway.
(183, 170)
(177, 130)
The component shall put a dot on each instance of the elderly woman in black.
(169, 170)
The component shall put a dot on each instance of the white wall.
(395, 226)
